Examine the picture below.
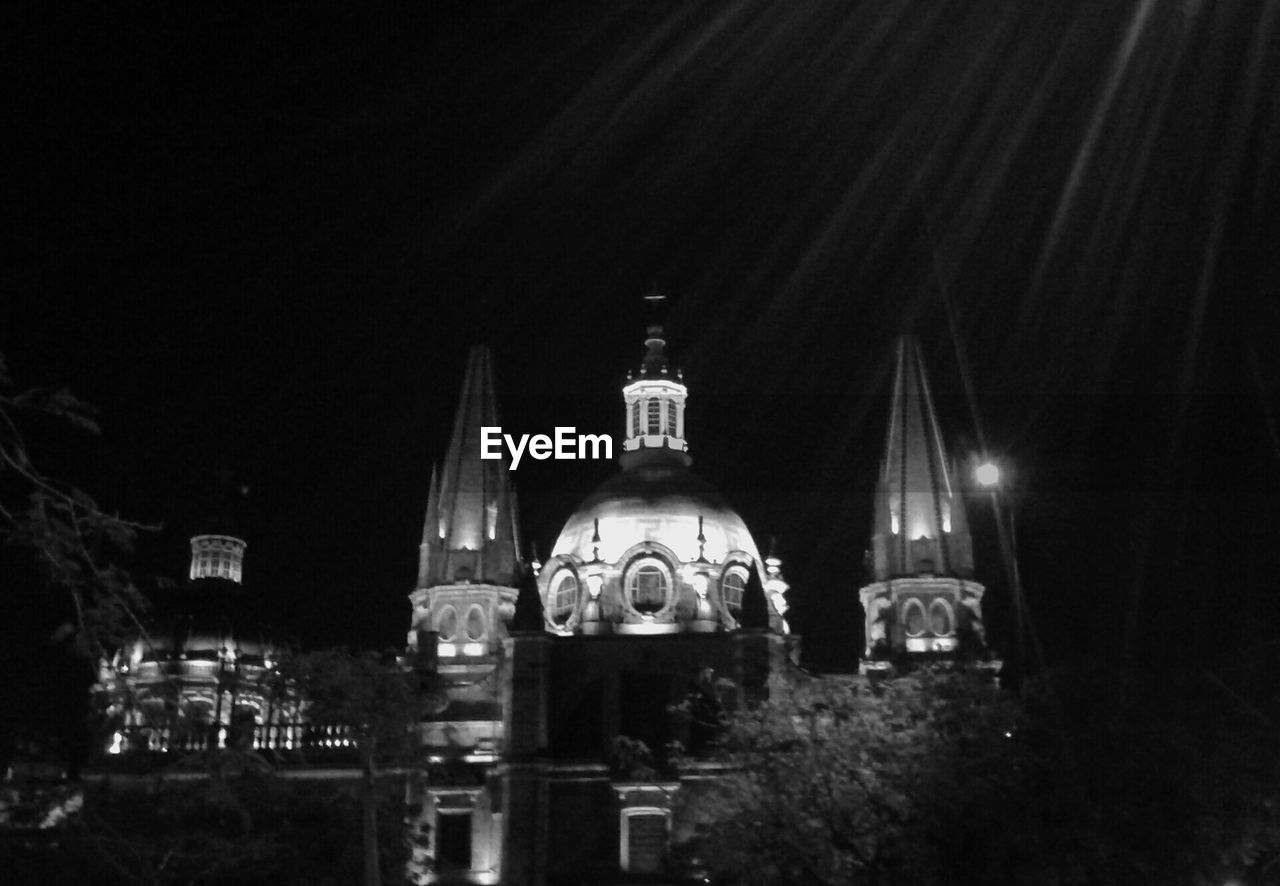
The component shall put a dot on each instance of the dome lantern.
(654, 402)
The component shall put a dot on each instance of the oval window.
(447, 625)
(564, 597)
(475, 623)
(940, 618)
(731, 588)
(913, 616)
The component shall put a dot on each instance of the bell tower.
(922, 600)
(468, 562)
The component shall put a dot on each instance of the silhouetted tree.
(1091, 776)
(379, 699)
(59, 542)
(75, 542)
(839, 780)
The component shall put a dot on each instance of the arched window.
(564, 597)
(475, 623)
(913, 617)
(655, 417)
(940, 620)
(671, 418)
(447, 625)
(648, 585)
(731, 588)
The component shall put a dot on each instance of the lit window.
(731, 588)
(564, 598)
(913, 615)
(655, 417)
(447, 626)
(940, 618)
(475, 623)
(671, 418)
(648, 587)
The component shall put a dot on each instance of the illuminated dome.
(655, 550)
(655, 503)
(200, 676)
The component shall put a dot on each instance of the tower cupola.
(217, 556)
(654, 402)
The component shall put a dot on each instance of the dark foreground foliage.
(1093, 776)
(254, 829)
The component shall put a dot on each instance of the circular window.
(913, 616)
(564, 597)
(447, 624)
(648, 586)
(940, 618)
(731, 588)
(475, 623)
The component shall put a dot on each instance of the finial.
(702, 542)
(654, 297)
(771, 561)
(655, 358)
(528, 616)
(595, 542)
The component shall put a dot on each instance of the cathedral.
(560, 753)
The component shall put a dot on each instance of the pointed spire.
(472, 527)
(755, 608)
(920, 526)
(430, 547)
(528, 617)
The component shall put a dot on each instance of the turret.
(217, 556)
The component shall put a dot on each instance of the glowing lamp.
(699, 583)
(987, 474)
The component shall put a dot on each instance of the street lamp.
(987, 475)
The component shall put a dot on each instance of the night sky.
(261, 243)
